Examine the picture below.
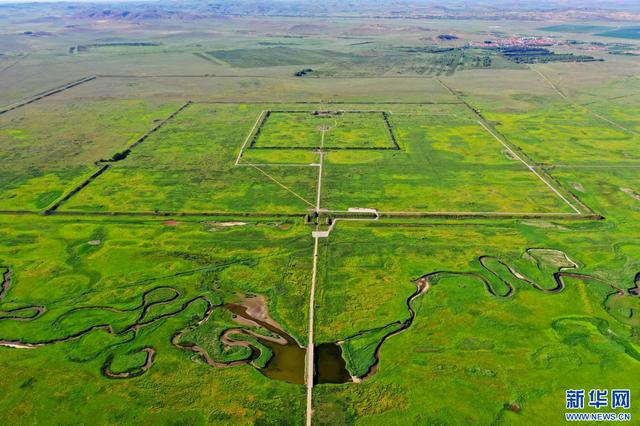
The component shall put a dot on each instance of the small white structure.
(362, 210)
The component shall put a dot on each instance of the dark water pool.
(288, 360)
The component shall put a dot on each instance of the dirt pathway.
(312, 295)
(283, 186)
(530, 167)
(251, 134)
(592, 112)
(319, 188)
(310, 345)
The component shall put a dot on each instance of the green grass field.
(564, 134)
(454, 232)
(68, 266)
(448, 163)
(492, 352)
(50, 146)
(326, 129)
(166, 174)
(272, 56)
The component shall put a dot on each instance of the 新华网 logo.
(614, 399)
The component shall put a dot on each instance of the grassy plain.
(469, 357)
(272, 56)
(566, 134)
(290, 130)
(486, 358)
(231, 86)
(359, 130)
(188, 166)
(67, 266)
(447, 163)
(46, 148)
(327, 129)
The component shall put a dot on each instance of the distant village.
(518, 42)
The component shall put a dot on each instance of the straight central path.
(319, 189)
(312, 294)
(310, 345)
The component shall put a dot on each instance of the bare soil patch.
(543, 224)
(631, 193)
(578, 187)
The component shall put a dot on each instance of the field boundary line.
(488, 214)
(321, 102)
(266, 76)
(332, 148)
(531, 168)
(181, 76)
(389, 128)
(433, 114)
(14, 63)
(307, 111)
(238, 215)
(451, 92)
(77, 189)
(45, 94)
(104, 165)
(504, 142)
(259, 120)
(19, 212)
(122, 155)
(355, 218)
(160, 124)
(590, 166)
(586, 108)
(281, 184)
(577, 199)
(156, 214)
(465, 215)
(211, 59)
(277, 164)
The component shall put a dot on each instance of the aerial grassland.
(48, 147)
(273, 56)
(492, 347)
(447, 163)
(164, 276)
(561, 133)
(614, 191)
(337, 129)
(268, 87)
(189, 166)
(157, 221)
(426, 160)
